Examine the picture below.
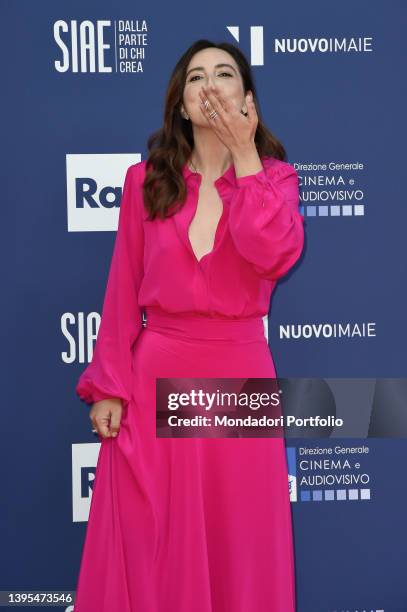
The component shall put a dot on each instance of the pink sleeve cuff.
(251, 179)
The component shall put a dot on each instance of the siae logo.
(83, 46)
(100, 46)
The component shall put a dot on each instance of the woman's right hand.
(106, 416)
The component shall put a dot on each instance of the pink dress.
(193, 524)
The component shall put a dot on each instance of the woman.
(207, 226)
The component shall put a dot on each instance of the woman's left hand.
(235, 130)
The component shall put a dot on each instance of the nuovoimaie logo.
(334, 475)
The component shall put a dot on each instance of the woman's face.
(212, 67)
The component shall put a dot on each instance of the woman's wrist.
(246, 161)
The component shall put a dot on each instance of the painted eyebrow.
(203, 69)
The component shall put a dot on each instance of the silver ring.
(213, 114)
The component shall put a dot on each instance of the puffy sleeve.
(265, 223)
(108, 375)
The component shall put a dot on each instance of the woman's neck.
(210, 157)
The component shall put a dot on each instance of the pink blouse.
(259, 237)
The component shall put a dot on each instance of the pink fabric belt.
(203, 327)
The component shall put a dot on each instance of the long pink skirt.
(189, 524)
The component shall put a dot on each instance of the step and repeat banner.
(85, 89)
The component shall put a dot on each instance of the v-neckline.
(191, 216)
(224, 184)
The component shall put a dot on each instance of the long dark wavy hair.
(171, 146)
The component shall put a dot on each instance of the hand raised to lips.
(232, 127)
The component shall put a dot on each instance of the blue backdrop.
(330, 87)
